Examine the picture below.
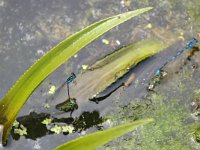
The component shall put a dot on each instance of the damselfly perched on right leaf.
(160, 73)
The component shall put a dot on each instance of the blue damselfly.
(190, 44)
(160, 73)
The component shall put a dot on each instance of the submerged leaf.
(107, 70)
(94, 140)
(11, 104)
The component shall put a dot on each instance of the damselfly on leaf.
(189, 45)
(69, 80)
(107, 70)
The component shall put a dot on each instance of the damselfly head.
(71, 78)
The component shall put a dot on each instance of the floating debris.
(122, 3)
(129, 81)
(125, 3)
(84, 67)
(37, 145)
(62, 129)
(105, 41)
(46, 105)
(46, 121)
(21, 130)
(68, 129)
(118, 42)
(16, 124)
(52, 90)
(149, 26)
(40, 52)
(181, 36)
(56, 129)
(76, 55)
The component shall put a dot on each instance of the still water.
(28, 29)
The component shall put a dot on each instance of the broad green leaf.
(94, 140)
(107, 70)
(13, 101)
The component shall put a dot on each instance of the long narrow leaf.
(107, 70)
(22, 89)
(94, 140)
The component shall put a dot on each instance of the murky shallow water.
(28, 29)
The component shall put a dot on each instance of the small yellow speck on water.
(84, 67)
(149, 26)
(21, 130)
(105, 41)
(46, 121)
(109, 122)
(15, 123)
(56, 129)
(52, 89)
(181, 37)
(46, 105)
(69, 129)
(118, 42)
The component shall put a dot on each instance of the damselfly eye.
(192, 43)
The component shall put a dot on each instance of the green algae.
(170, 131)
(193, 11)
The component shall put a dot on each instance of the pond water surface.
(28, 29)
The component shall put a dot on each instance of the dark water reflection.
(36, 129)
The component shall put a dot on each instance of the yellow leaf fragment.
(52, 89)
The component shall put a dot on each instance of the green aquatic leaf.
(94, 140)
(13, 101)
(107, 70)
